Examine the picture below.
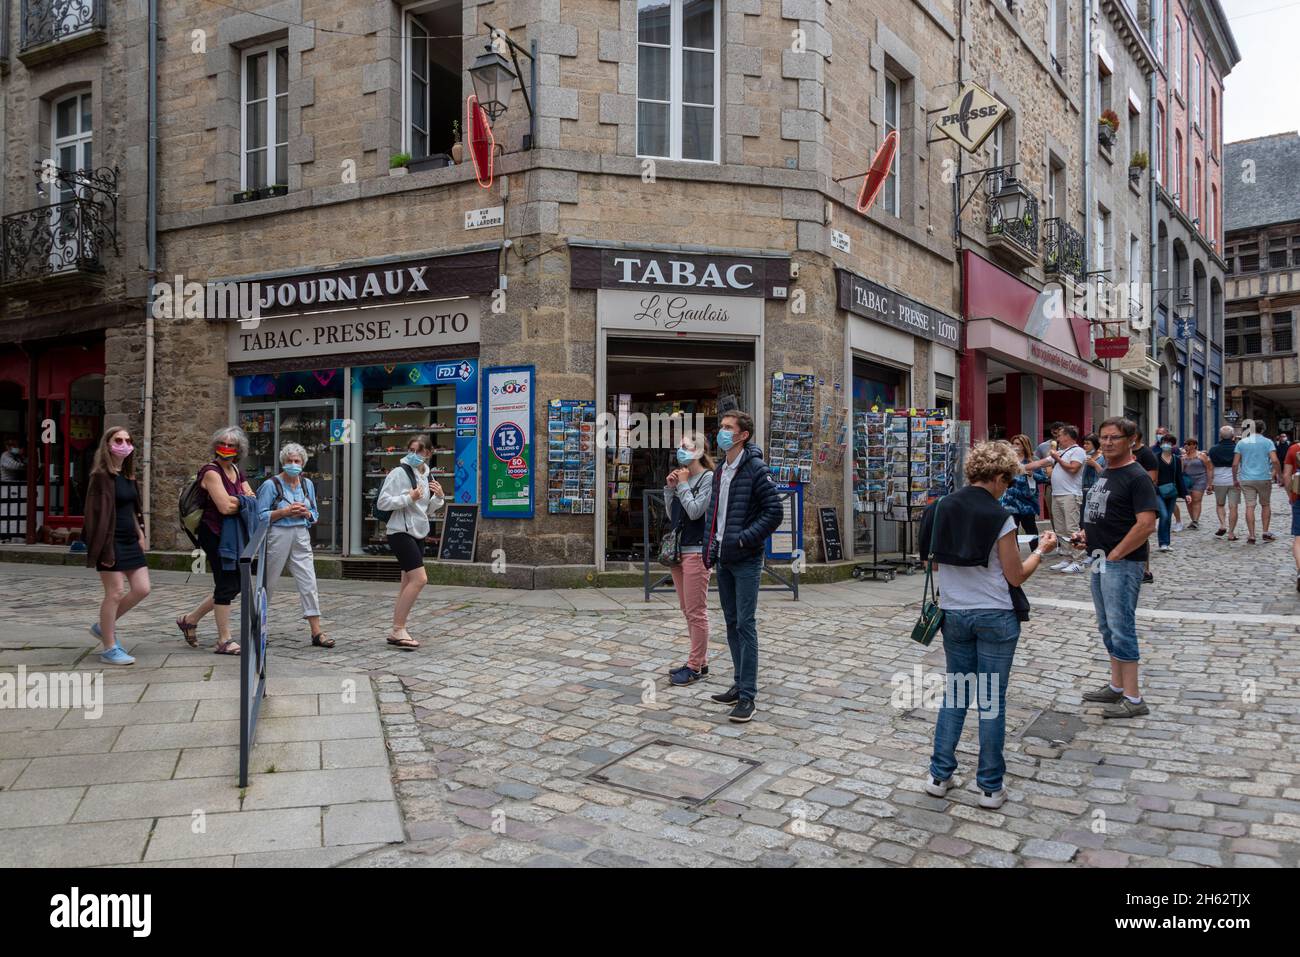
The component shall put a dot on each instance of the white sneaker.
(1072, 569)
(1059, 565)
(1178, 526)
(1166, 548)
(993, 801)
(939, 788)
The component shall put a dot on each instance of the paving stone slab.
(239, 832)
(86, 769)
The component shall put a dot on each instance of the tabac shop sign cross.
(971, 117)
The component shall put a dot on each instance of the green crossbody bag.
(931, 617)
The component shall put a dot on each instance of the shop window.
(264, 129)
(943, 393)
(876, 388)
(678, 79)
(432, 89)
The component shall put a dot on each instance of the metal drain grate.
(672, 771)
(376, 571)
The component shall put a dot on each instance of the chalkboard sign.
(459, 533)
(832, 548)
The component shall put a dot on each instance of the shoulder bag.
(931, 617)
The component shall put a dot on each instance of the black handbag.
(931, 617)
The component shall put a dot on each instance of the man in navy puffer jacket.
(744, 511)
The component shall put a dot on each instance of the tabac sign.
(973, 115)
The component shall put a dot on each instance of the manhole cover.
(673, 771)
(1054, 726)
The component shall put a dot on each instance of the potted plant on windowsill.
(277, 189)
(1137, 166)
(458, 148)
(1107, 128)
(245, 196)
(397, 164)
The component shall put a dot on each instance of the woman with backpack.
(115, 540)
(688, 489)
(222, 483)
(405, 501)
(288, 502)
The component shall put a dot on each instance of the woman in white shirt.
(409, 495)
(972, 542)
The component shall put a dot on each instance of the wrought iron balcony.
(1015, 237)
(53, 28)
(62, 244)
(1063, 251)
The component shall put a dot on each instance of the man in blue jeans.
(1122, 511)
(744, 511)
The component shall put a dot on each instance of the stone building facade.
(73, 122)
(706, 153)
(1194, 52)
(1262, 245)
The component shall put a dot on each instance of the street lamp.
(1007, 202)
(494, 80)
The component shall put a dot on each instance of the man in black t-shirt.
(1121, 514)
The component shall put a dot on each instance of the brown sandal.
(406, 643)
(223, 647)
(322, 640)
(191, 632)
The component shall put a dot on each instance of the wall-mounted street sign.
(840, 241)
(1184, 327)
(972, 117)
(480, 218)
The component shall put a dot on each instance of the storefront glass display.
(297, 407)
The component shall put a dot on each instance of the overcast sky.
(1260, 92)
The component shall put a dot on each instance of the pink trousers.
(691, 579)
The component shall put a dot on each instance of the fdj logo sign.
(510, 387)
(452, 372)
(508, 446)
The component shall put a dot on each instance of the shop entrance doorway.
(655, 391)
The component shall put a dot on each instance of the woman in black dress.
(115, 540)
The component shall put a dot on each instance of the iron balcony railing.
(55, 240)
(1023, 230)
(49, 21)
(1063, 249)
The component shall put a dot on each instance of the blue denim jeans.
(978, 647)
(738, 591)
(1165, 509)
(1115, 589)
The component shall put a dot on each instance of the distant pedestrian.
(1043, 476)
(973, 541)
(1197, 470)
(13, 467)
(1021, 496)
(1122, 513)
(1093, 465)
(410, 495)
(1067, 495)
(744, 511)
(229, 516)
(1146, 458)
(1291, 482)
(688, 489)
(1170, 487)
(1254, 469)
(115, 541)
(1225, 487)
(1283, 446)
(288, 502)
(1161, 433)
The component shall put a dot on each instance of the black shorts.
(410, 555)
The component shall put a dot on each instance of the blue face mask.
(413, 459)
(686, 457)
(726, 439)
(293, 469)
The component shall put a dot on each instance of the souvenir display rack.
(571, 457)
(790, 435)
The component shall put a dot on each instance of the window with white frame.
(892, 194)
(1177, 178)
(1158, 160)
(264, 133)
(72, 150)
(1158, 28)
(1103, 243)
(678, 79)
(431, 88)
(1134, 268)
(1053, 30)
(1196, 193)
(1055, 199)
(1178, 56)
(1196, 90)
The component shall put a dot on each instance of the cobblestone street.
(511, 731)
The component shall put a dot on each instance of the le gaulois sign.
(971, 117)
(862, 297)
